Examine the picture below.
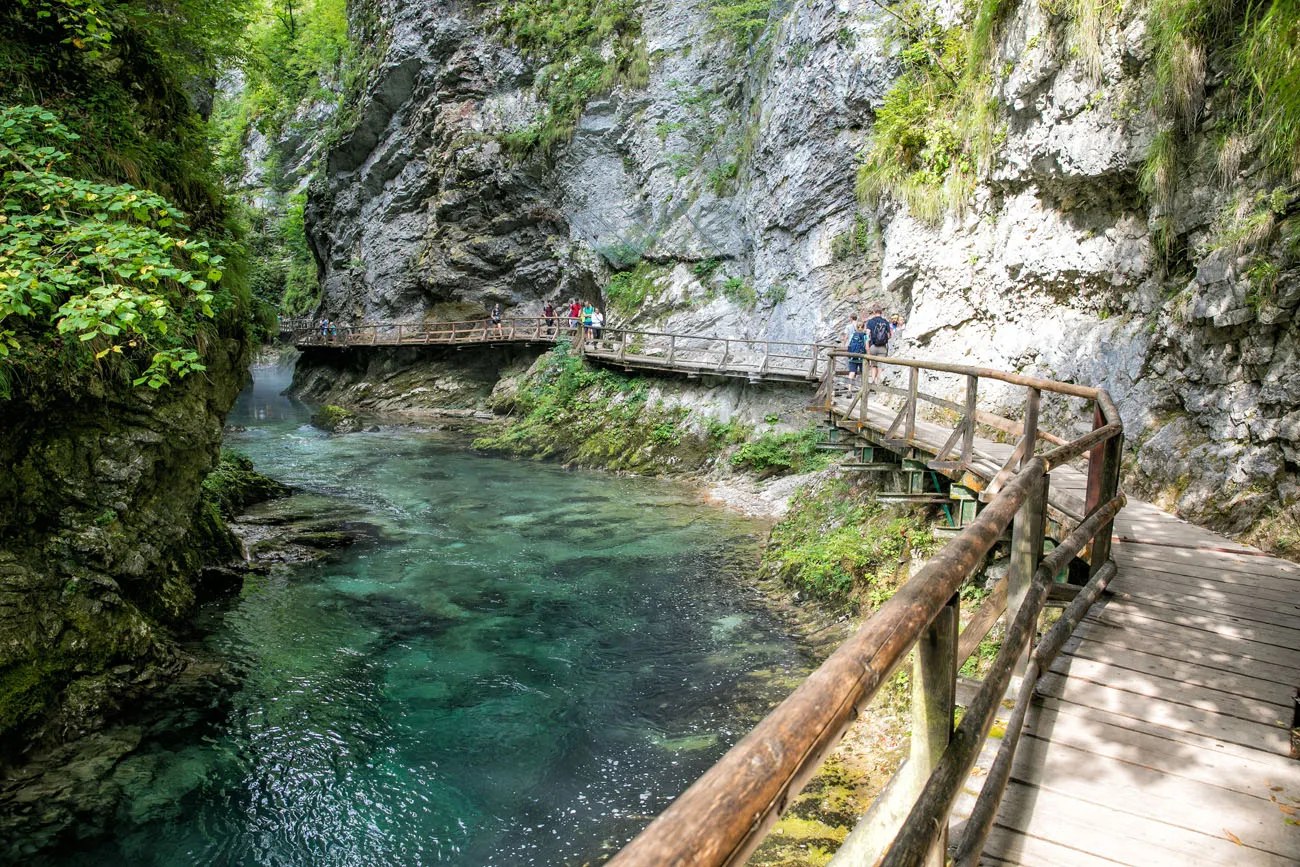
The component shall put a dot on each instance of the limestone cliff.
(715, 193)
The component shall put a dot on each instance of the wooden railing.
(724, 816)
(530, 329)
(698, 353)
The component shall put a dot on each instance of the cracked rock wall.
(729, 179)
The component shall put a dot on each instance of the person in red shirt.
(575, 314)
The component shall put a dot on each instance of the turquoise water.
(528, 667)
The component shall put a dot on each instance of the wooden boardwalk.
(1161, 736)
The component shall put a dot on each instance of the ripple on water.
(533, 664)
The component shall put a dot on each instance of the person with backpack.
(878, 333)
(855, 340)
(496, 316)
(548, 313)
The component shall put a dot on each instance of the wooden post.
(726, 351)
(968, 438)
(1026, 550)
(399, 333)
(865, 392)
(622, 346)
(1103, 484)
(767, 355)
(913, 388)
(934, 696)
(672, 347)
(812, 368)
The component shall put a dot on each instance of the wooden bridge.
(1154, 723)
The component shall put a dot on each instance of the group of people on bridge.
(874, 336)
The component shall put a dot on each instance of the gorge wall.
(708, 186)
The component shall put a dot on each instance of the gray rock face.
(739, 167)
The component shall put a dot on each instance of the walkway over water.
(1155, 724)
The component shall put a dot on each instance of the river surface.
(528, 666)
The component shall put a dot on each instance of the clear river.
(526, 666)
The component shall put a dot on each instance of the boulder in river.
(336, 420)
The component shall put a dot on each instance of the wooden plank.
(1123, 838)
(1184, 735)
(1143, 793)
(1262, 711)
(1162, 630)
(1167, 711)
(1213, 621)
(1226, 656)
(1250, 773)
(1009, 846)
(1223, 671)
(1250, 590)
(1134, 588)
(1245, 565)
(1225, 577)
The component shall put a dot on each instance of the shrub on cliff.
(778, 453)
(839, 545)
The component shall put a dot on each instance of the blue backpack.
(858, 342)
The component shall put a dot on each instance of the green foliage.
(706, 268)
(838, 545)
(233, 485)
(789, 452)
(628, 290)
(719, 179)
(740, 291)
(588, 48)
(1267, 81)
(1255, 42)
(741, 21)
(94, 273)
(296, 51)
(775, 294)
(856, 241)
(622, 253)
(937, 127)
(566, 409)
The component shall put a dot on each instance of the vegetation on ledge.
(233, 485)
(584, 48)
(838, 545)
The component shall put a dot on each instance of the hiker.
(324, 327)
(496, 316)
(895, 333)
(878, 333)
(548, 313)
(575, 315)
(597, 323)
(855, 340)
(587, 311)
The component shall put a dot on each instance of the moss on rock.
(233, 485)
(336, 419)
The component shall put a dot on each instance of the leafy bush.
(741, 21)
(838, 545)
(628, 290)
(740, 290)
(94, 274)
(789, 452)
